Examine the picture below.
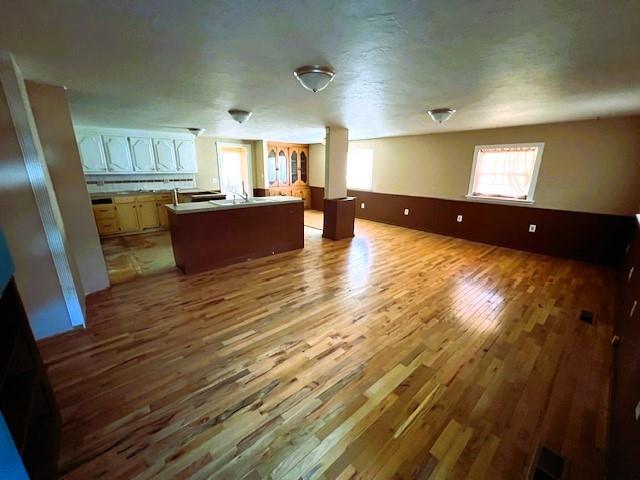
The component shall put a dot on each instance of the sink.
(239, 201)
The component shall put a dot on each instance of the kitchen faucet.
(244, 195)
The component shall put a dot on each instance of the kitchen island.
(213, 234)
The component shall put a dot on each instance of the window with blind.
(505, 172)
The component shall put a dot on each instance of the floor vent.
(586, 316)
(548, 465)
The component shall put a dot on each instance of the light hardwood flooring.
(132, 256)
(396, 354)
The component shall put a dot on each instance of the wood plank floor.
(397, 354)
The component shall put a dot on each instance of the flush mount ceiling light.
(314, 78)
(240, 116)
(196, 131)
(441, 115)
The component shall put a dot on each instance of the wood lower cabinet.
(300, 191)
(130, 214)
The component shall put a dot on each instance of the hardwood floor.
(394, 354)
(133, 256)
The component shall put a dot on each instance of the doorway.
(235, 168)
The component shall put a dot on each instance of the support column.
(339, 210)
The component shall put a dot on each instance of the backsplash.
(119, 183)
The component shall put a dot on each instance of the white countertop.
(213, 205)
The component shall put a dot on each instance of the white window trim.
(507, 201)
(373, 156)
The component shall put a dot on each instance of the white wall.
(208, 175)
(588, 166)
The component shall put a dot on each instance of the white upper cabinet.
(165, 155)
(118, 154)
(119, 151)
(142, 154)
(186, 152)
(92, 153)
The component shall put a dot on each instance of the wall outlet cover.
(406, 211)
(630, 274)
(459, 219)
(633, 308)
(532, 228)
(638, 410)
(362, 205)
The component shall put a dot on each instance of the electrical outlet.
(459, 219)
(633, 308)
(532, 228)
(406, 211)
(638, 411)
(630, 274)
(362, 205)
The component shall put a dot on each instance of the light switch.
(459, 219)
(532, 228)
(406, 211)
(362, 205)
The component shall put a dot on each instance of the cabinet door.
(186, 152)
(127, 217)
(163, 215)
(118, 154)
(304, 164)
(92, 153)
(283, 175)
(148, 215)
(293, 164)
(142, 155)
(272, 168)
(165, 155)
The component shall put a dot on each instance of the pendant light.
(314, 78)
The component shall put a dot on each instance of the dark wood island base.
(213, 238)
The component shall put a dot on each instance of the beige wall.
(587, 166)
(208, 175)
(53, 121)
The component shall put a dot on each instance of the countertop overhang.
(255, 202)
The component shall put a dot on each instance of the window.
(505, 172)
(360, 168)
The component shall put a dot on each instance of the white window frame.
(513, 201)
(372, 162)
(220, 146)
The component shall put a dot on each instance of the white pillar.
(335, 163)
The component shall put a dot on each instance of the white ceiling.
(151, 63)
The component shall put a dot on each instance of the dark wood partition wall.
(625, 429)
(591, 237)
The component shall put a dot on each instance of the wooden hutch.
(288, 171)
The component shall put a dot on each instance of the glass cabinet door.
(303, 166)
(272, 176)
(293, 162)
(282, 168)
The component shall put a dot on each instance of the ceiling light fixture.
(196, 131)
(240, 116)
(441, 115)
(314, 78)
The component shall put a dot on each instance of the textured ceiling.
(148, 64)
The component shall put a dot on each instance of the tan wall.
(208, 161)
(36, 275)
(587, 166)
(53, 121)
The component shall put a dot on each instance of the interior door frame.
(249, 148)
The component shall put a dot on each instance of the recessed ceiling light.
(240, 116)
(441, 114)
(314, 78)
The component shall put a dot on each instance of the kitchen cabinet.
(165, 155)
(142, 154)
(127, 217)
(92, 154)
(186, 155)
(163, 215)
(147, 209)
(118, 154)
(120, 151)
